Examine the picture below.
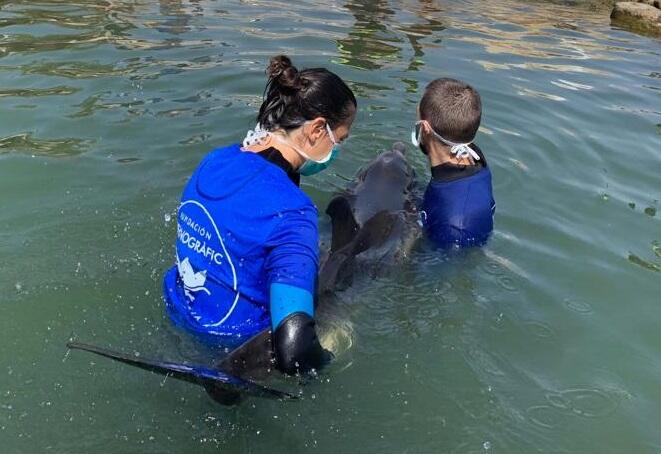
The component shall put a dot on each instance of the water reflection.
(178, 15)
(511, 27)
(26, 143)
(377, 39)
(431, 25)
(369, 44)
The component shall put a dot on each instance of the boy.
(458, 205)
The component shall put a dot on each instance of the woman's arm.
(291, 267)
(297, 348)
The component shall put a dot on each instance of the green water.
(547, 340)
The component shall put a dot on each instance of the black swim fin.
(211, 379)
(253, 359)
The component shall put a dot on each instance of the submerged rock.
(643, 16)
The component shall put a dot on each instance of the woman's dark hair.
(293, 97)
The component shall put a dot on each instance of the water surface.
(546, 340)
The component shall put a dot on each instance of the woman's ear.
(316, 129)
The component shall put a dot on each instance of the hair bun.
(282, 71)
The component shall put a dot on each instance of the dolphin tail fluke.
(214, 381)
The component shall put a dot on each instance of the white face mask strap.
(415, 138)
(258, 135)
(255, 136)
(461, 150)
(331, 135)
(302, 153)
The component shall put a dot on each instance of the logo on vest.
(193, 282)
(199, 241)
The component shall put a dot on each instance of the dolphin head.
(385, 183)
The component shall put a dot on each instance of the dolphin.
(375, 221)
(374, 225)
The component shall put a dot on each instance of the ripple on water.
(559, 401)
(127, 160)
(545, 416)
(507, 283)
(492, 267)
(539, 329)
(26, 143)
(580, 307)
(60, 90)
(583, 402)
(633, 258)
(70, 69)
(591, 403)
(587, 402)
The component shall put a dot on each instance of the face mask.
(310, 166)
(416, 133)
(313, 166)
(461, 150)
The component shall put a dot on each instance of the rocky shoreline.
(643, 16)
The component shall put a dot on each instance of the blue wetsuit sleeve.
(287, 300)
(291, 267)
(293, 251)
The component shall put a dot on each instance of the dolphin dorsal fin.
(344, 223)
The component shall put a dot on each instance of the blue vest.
(242, 225)
(460, 212)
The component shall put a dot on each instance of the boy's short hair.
(453, 108)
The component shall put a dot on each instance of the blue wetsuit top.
(458, 205)
(247, 249)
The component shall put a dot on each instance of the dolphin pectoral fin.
(335, 274)
(210, 379)
(343, 222)
(337, 271)
(375, 231)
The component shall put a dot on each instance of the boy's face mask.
(461, 150)
(416, 136)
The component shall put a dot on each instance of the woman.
(247, 240)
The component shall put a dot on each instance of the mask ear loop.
(460, 150)
(255, 136)
(415, 134)
(331, 136)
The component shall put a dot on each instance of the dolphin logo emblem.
(193, 281)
